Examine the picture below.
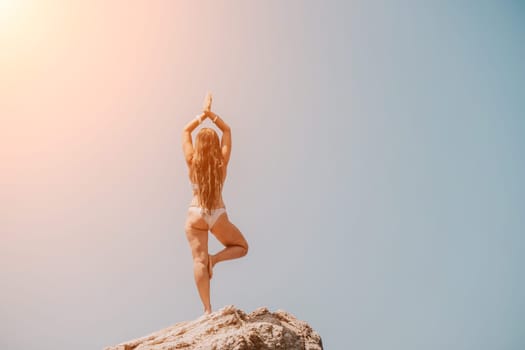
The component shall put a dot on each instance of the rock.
(231, 328)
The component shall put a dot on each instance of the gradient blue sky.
(377, 168)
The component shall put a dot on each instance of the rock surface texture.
(231, 328)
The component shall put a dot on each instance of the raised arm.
(226, 141)
(187, 145)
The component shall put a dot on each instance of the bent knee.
(244, 249)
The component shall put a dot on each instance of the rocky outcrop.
(231, 328)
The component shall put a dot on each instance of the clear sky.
(377, 168)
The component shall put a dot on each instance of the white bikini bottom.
(211, 218)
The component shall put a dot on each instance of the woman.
(207, 164)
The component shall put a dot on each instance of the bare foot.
(210, 266)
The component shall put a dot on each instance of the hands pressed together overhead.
(206, 111)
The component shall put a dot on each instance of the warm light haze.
(376, 168)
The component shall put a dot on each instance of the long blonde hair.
(207, 167)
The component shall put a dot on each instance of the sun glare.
(11, 15)
(7, 10)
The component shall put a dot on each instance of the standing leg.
(198, 240)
